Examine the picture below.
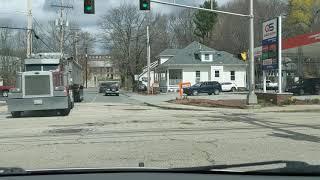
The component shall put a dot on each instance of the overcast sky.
(13, 11)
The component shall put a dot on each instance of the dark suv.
(307, 86)
(209, 87)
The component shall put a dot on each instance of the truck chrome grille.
(37, 85)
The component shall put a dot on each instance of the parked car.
(4, 90)
(141, 87)
(102, 87)
(209, 87)
(271, 85)
(307, 86)
(229, 86)
(112, 88)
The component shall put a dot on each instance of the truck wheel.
(5, 93)
(76, 97)
(16, 114)
(301, 92)
(233, 89)
(65, 112)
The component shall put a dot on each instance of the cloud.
(44, 12)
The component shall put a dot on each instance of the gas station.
(300, 60)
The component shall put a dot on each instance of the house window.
(198, 76)
(233, 75)
(216, 73)
(206, 57)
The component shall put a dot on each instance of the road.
(121, 132)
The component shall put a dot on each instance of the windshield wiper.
(11, 171)
(291, 167)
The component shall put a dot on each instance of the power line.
(26, 29)
(17, 28)
(12, 12)
(45, 44)
(40, 26)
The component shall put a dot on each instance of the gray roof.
(169, 52)
(187, 56)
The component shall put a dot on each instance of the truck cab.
(46, 84)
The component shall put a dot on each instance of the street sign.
(270, 44)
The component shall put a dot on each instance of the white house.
(196, 63)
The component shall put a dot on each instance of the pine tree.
(205, 21)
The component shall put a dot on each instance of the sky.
(13, 12)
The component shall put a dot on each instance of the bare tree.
(181, 28)
(123, 30)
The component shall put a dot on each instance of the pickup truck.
(4, 90)
(271, 85)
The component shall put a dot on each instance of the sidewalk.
(160, 101)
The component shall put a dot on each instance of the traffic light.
(145, 5)
(243, 56)
(89, 6)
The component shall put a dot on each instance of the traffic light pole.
(252, 97)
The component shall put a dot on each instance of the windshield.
(197, 85)
(127, 90)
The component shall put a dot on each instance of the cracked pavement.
(120, 132)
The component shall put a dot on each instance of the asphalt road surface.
(116, 131)
(92, 96)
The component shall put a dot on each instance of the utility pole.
(61, 24)
(252, 97)
(75, 43)
(61, 29)
(76, 47)
(280, 54)
(211, 4)
(148, 52)
(148, 57)
(29, 27)
(86, 67)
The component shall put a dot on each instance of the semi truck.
(49, 82)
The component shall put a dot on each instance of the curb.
(174, 108)
(292, 110)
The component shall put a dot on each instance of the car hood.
(290, 167)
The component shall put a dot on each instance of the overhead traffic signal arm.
(145, 5)
(89, 7)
